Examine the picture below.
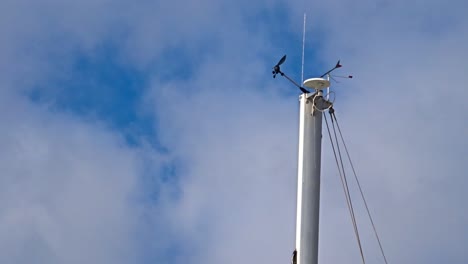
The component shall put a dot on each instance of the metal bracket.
(319, 103)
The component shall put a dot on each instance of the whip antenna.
(303, 48)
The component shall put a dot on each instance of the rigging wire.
(345, 186)
(333, 116)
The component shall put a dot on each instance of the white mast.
(308, 175)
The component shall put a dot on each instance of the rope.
(333, 116)
(345, 186)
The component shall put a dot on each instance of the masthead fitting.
(317, 83)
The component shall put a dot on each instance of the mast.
(308, 173)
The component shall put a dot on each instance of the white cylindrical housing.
(308, 181)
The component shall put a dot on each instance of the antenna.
(303, 48)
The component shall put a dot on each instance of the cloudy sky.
(152, 131)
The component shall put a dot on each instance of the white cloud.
(402, 115)
(67, 190)
(67, 184)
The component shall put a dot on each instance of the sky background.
(152, 131)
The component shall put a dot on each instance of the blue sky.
(152, 131)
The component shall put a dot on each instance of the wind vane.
(277, 70)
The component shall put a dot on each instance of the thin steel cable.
(360, 189)
(338, 165)
(345, 190)
(347, 196)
